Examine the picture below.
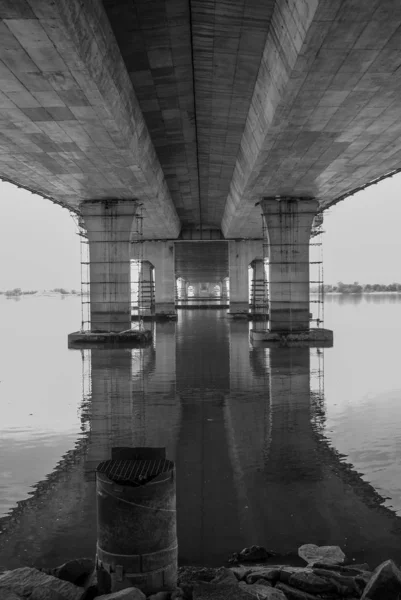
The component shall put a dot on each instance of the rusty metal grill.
(134, 472)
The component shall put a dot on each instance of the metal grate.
(134, 472)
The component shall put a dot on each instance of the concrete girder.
(324, 117)
(70, 123)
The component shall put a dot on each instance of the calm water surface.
(263, 440)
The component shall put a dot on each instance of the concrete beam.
(70, 123)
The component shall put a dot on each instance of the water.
(263, 440)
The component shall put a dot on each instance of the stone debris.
(26, 580)
(252, 554)
(321, 554)
(270, 573)
(224, 575)
(75, 571)
(324, 580)
(262, 592)
(385, 583)
(131, 593)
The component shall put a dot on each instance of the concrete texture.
(161, 255)
(289, 225)
(241, 254)
(199, 109)
(108, 225)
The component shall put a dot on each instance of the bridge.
(205, 114)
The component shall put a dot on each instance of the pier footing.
(313, 338)
(130, 338)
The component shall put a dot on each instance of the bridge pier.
(289, 223)
(240, 255)
(161, 255)
(108, 224)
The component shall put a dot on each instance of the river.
(272, 447)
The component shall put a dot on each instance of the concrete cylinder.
(137, 532)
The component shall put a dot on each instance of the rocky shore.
(326, 576)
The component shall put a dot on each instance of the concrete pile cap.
(134, 472)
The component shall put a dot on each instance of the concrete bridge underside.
(199, 109)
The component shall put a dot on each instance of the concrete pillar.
(161, 255)
(108, 224)
(258, 286)
(146, 288)
(289, 223)
(240, 255)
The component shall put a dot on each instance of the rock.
(263, 582)
(240, 572)
(9, 595)
(346, 570)
(269, 573)
(346, 582)
(45, 594)
(287, 572)
(219, 591)
(160, 596)
(292, 593)
(322, 554)
(25, 581)
(131, 593)
(75, 571)
(309, 582)
(252, 554)
(177, 594)
(385, 583)
(224, 575)
(263, 592)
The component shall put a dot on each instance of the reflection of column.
(156, 407)
(111, 420)
(108, 223)
(206, 497)
(289, 223)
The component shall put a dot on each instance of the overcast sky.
(40, 249)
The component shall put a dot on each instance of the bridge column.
(258, 286)
(146, 288)
(161, 255)
(108, 224)
(289, 223)
(240, 255)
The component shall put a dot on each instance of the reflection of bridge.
(199, 111)
(238, 421)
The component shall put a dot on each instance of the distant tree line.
(358, 288)
(20, 292)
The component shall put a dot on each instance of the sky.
(40, 248)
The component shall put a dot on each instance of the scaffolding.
(316, 285)
(86, 379)
(142, 275)
(85, 272)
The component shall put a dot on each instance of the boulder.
(385, 582)
(263, 582)
(45, 594)
(347, 583)
(292, 593)
(219, 591)
(240, 572)
(26, 580)
(224, 575)
(287, 572)
(9, 595)
(131, 593)
(269, 573)
(75, 571)
(309, 582)
(177, 594)
(262, 592)
(160, 596)
(321, 554)
(254, 554)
